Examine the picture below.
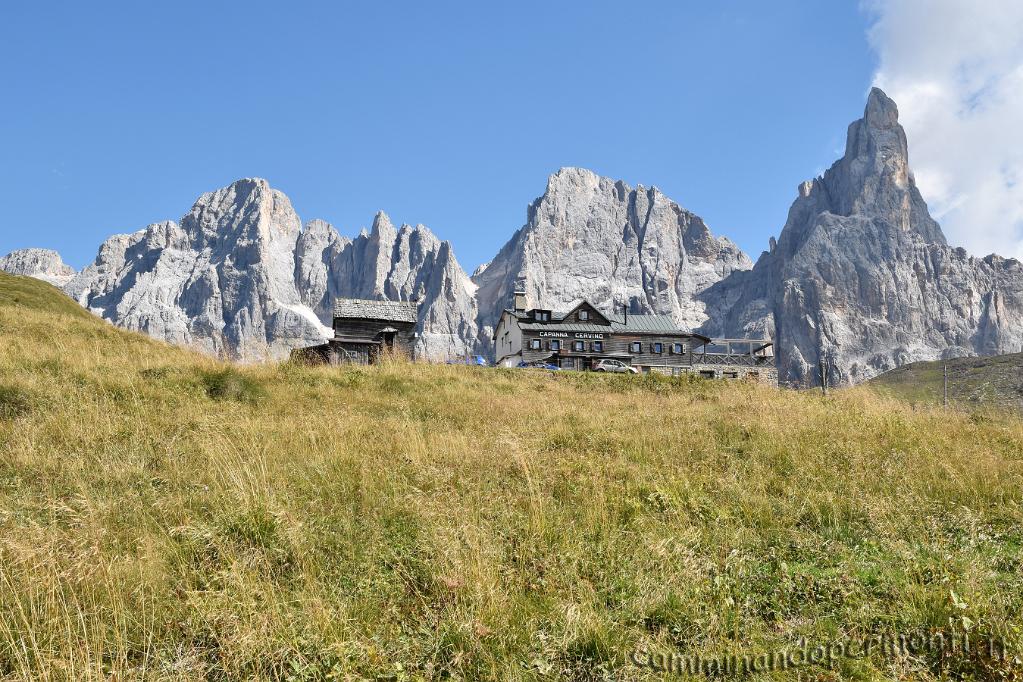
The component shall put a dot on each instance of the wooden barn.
(365, 331)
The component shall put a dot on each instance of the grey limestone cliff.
(240, 277)
(406, 263)
(43, 264)
(221, 281)
(861, 279)
(617, 246)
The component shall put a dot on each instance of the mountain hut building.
(365, 331)
(580, 338)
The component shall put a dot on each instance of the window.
(584, 315)
(555, 345)
(534, 344)
(636, 347)
(578, 346)
(658, 347)
(678, 348)
(598, 346)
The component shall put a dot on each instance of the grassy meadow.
(164, 516)
(988, 382)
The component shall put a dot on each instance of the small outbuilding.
(365, 331)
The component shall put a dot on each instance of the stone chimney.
(520, 301)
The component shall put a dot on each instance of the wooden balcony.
(743, 352)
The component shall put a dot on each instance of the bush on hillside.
(14, 402)
(230, 384)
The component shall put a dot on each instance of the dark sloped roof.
(619, 324)
(653, 324)
(522, 315)
(583, 302)
(561, 327)
(646, 323)
(391, 311)
(634, 324)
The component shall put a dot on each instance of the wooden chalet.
(365, 331)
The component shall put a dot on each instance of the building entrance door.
(570, 363)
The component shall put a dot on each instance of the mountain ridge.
(860, 279)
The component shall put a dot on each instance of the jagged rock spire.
(861, 279)
(873, 177)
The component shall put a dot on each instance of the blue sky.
(448, 114)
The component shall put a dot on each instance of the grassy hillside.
(995, 381)
(163, 516)
(25, 293)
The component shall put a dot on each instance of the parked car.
(538, 365)
(478, 360)
(616, 366)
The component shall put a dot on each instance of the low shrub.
(14, 402)
(231, 384)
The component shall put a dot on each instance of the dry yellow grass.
(165, 516)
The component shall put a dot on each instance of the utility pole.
(944, 388)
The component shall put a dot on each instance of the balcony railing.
(741, 360)
(744, 352)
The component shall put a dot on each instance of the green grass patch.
(14, 402)
(229, 383)
(167, 516)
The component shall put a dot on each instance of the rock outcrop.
(221, 281)
(239, 277)
(406, 263)
(599, 239)
(861, 279)
(43, 264)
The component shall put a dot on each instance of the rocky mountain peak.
(597, 238)
(570, 177)
(420, 233)
(873, 177)
(44, 264)
(318, 226)
(382, 224)
(247, 210)
(877, 143)
(881, 111)
(872, 181)
(861, 279)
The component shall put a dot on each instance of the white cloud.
(955, 69)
